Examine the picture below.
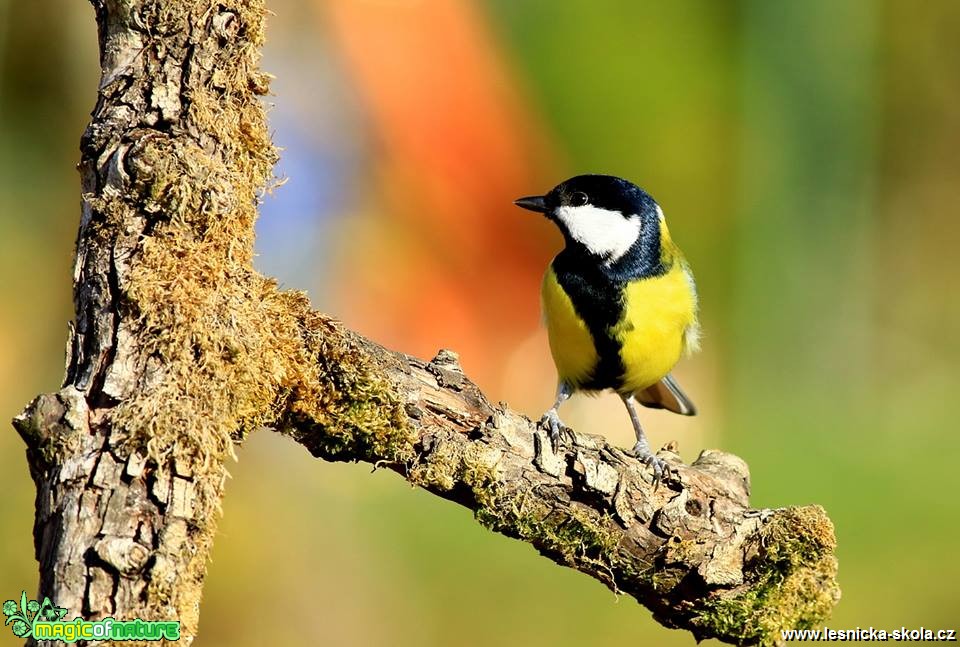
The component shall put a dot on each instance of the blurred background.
(806, 154)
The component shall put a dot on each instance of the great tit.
(619, 300)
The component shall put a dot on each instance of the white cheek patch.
(605, 233)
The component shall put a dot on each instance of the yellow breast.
(658, 325)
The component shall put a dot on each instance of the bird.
(619, 302)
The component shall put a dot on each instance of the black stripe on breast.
(597, 291)
(598, 300)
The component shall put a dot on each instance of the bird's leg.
(642, 449)
(551, 419)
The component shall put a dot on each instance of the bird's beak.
(532, 203)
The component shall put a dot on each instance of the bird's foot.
(553, 425)
(661, 468)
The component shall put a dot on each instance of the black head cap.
(602, 191)
(633, 248)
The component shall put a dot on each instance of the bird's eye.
(578, 199)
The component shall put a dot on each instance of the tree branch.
(179, 349)
(691, 550)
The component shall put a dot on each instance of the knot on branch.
(54, 425)
(789, 580)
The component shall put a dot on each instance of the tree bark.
(179, 349)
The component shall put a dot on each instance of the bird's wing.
(666, 394)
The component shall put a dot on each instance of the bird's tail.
(666, 394)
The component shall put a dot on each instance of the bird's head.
(602, 215)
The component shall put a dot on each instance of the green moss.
(575, 535)
(338, 403)
(441, 469)
(791, 582)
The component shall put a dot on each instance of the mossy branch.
(691, 550)
(179, 348)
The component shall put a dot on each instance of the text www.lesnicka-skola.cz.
(870, 634)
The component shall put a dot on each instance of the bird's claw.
(661, 468)
(553, 425)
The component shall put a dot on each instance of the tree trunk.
(179, 349)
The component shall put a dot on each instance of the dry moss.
(206, 321)
(791, 582)
(202, 317)
(222, 349)
(227, 350)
